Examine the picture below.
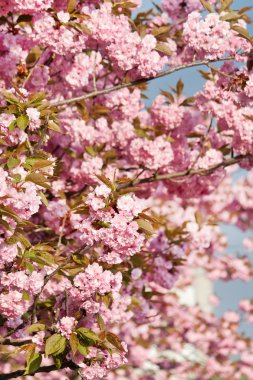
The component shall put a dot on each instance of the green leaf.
(87, 334)
(7, 211)
(43, 198)
(36, 99)
(40, 257)
(19, 237)
(5, 224)
(16, 178)
(91, 151)
(33, 364)
(55, 344)
(12, 162)
(54, 126)
(22, 122)
(84, 350)
(58, 362)
(25, 296)
(145, 226)
(85, 28)
(114, 340)
(38, 179)
(35, 327)
(12, 125)
(161, 30)
(36, 163)
(100, 322)
(74, 342)
(107, 299)
(163, 48)
(33, 57)
(2, 142)
(10, 98)
(106, 181)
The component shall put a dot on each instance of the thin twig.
(47, 278)
(134, 83)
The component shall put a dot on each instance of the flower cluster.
(111, 203)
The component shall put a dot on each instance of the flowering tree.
(107, 207)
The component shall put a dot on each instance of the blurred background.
(229, 293)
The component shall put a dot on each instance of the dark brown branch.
(186, 173)
(16, 343)
(134, 83)
(45, 369)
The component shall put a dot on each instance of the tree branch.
(48, 277)
(45, 369)
(186, 173)
(134, 83)
(18, 343)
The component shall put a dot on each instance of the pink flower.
(34, 118)
(66, 325)
(63, 16)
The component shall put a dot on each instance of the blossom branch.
(135, 83)
(48, 277)
(186, 173)
(45, 369)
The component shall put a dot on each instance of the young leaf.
(242, 32)
(55, 344)
(74, 342)
(145, 226)
(86, 333)
(12, 162)
(114, 340)
(206, 5)
(71, 6)
(22, 122)
(10, 98)
(33, 364)
(84, 350)
(163, 48)
(106, 181)
(12, 125)
(225, 4)
(35, 327)
(91, 151)
(58, 362)
(100, 322)
(43, 198)
(54, 127)
(38, 179)
(180, 87)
